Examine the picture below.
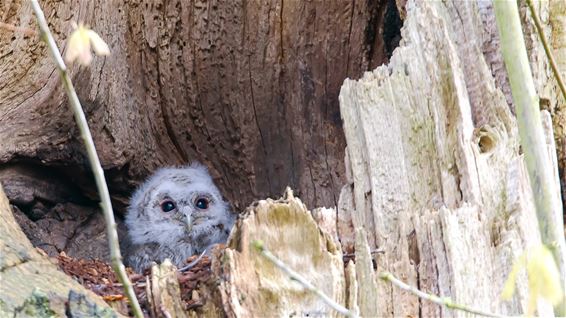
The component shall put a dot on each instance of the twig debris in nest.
(192, 278)
(99, 277)
(93, 274)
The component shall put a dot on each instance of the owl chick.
(176, 213)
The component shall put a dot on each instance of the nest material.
(99, 277)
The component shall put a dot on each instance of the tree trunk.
(437, 177)
(434, 176)
(249, 88)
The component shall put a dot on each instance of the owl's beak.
(188, 222)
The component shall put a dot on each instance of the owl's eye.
(167, 206)
(202, 203)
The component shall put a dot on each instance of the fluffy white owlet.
(176, 213)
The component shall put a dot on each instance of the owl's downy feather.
(176, 213)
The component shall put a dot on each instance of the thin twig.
(547, 48)
(193, 263)
(80, 118)
(447, 302)
(301, 280)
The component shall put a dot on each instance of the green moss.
(4, 311)
(36, 305)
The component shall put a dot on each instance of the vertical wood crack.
(256, 119)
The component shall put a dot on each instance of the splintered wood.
(254, 287)
(161, 289)
(437, 194)
(437, 178)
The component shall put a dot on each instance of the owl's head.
(179, 207)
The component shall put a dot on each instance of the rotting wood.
(179, 86)
(254, 287)
(436, 180)
(191, 81)
(164, 295)
(433, 150)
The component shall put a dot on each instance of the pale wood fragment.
(254, 287)
(164, 296)
(344, 223)
(368, 290)
(351, 288)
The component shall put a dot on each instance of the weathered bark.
(438, 180)
(30, 285)
(247, 87)
(254, 287)
(553, 18)
(435, 177)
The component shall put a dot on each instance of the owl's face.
(179, 207)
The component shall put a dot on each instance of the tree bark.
(436, 183)
(437, 177)
(249, 88)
